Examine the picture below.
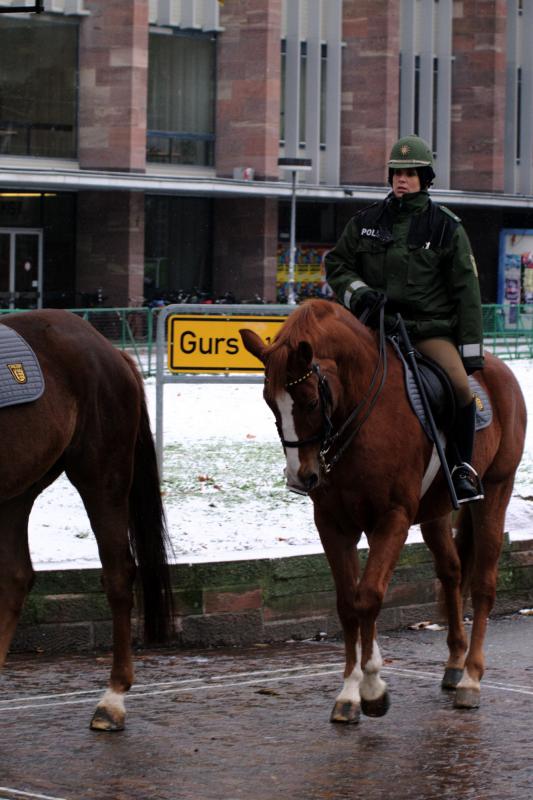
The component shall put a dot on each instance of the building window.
(435, 98)
(181, 99)
(303, 93)
(38, 89)
(178, 248)
(426, 77)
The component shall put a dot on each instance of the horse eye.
(312, 405)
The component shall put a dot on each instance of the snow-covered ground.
(224, 491)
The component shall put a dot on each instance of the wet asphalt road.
(253, 724)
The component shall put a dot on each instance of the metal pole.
(292, 251)
(159, 387)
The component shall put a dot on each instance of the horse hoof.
(452, 676)
(376, 708)
(103, 721)
(345, 712)
(466, 698)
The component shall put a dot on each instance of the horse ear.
(305, 353)
(253, 343)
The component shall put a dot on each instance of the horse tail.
(149, 538)
(464, 543)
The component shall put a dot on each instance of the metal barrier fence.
(508, 330)
(130, 329)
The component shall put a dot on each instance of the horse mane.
(325, 324)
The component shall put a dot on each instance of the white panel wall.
(426, 41)
(200, 15)
(317, 23)
(51, 6)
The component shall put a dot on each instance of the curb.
(238, 603)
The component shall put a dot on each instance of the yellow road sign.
(208, 344)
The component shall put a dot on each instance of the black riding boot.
(465, 479)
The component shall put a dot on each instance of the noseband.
(327, 437)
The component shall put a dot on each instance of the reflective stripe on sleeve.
(470, 350)
(353, 287)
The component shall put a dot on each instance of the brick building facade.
(163, 175)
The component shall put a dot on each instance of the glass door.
(21, 268)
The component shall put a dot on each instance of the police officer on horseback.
(415, 256)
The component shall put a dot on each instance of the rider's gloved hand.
(369, 301)
(473, 363)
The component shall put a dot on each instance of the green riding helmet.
(410, 151)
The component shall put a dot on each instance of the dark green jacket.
(418, 253)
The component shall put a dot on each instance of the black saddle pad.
(440, 394)
(21, 379)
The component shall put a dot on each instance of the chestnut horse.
(91, 422)
(359, 451)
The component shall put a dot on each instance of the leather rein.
(327, 437)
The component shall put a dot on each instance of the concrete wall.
(248, 602)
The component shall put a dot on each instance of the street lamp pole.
(291, 299)
(293, 165)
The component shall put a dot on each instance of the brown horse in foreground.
(317, 371)
(91, 422)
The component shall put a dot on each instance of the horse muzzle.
(303, 486)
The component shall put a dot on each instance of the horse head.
(302, 388)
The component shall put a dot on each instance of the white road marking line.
(97, 691)
(31, 795)
(527, 690)
(221, 681)
(176, 690)
(139, 688)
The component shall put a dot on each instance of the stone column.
(370, 89)
(113, 81)
(248, 87)
(247, 131)
(478, 95)
(110, 246)
(246, 233)
(112, 136)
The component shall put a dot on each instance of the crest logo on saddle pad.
(18, 372)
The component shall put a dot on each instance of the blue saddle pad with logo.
(21, 378)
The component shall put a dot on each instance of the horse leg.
(488, 519)
(385, 544)
(438, 537)
(118, 574)
(341, 553)
(109, 521)
(16, 571)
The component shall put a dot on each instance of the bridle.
(327, 437)
(326, 403)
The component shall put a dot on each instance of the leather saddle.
(21, 378)
(440, 393)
